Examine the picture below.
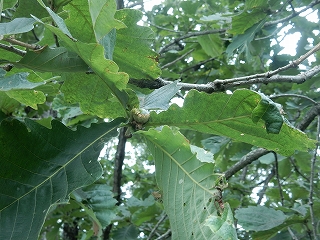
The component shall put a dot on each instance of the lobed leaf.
(187, 185)
(102, 14)
(40, 167)
(234, 116)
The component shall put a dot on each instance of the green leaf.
(211, 44)
(246, 20)
(25, 8)
(129, 233)
(43, 166)
(17, 25)
(107, 71)
(53, 60)
(16, 81)
(133, 51)
(28, 97)
(102, 15)
(222, 226)
(268, 111)
(7, 104)
(91, 93)
(265, 235)
(9, 3)
(241, 42)
(259, 218)
(100, 199)
(108, 42)
(231, 115)
(159, 98)
(79, 21)
(19, 88)
(187, 184)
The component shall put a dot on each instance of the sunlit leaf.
(133, 51)
(232, 116)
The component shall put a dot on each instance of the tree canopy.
(187, 121)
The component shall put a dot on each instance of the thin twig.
(22, 44)
(313, 162)
(13, 49)
(165, 29)
(165, 235)
(189, 35)
(278, 178)
(265, 186)
(292, 15)
(156, 226)
(296, 169)
(293, 95)
(266, 75)
(177, 60)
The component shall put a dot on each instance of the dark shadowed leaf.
(40, 167)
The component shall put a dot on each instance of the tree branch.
(312, 172)
(309, 117)
(265, 186)
(245, 160)
(22, 44)
(156, 226)
(176, 60)
(117, 175)
(13, 49)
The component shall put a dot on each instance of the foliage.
(73, 72)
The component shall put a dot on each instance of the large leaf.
(133, 51)
(41, 166)
(187, 185)
(259, 218)
(234, 116)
